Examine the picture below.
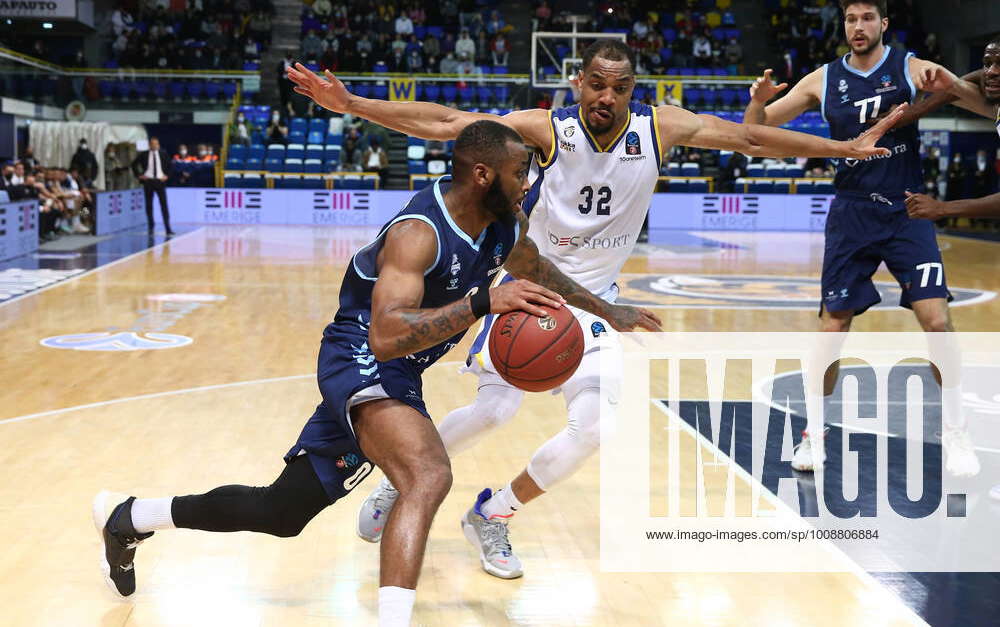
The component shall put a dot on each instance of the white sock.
(152, 514)
(395, 606)
(951, 408)
(503, 504)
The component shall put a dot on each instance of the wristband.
(480, 301)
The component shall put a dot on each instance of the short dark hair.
(483, 141)
(610, 49)
(881, 5)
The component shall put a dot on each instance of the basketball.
(536, 354)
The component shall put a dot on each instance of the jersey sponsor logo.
(347, 461)
(580, 241)
(685, 291)
(842, 87)
(456, 267)
(116, 342)
(498, 255)
(597, 329)
(566, 146)
(898, 149)
(887, 85)
(632, 144)
(569, 130)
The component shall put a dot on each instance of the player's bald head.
(484, 142)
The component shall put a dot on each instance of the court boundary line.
(140, 397)
(101, 267)
(863, 575)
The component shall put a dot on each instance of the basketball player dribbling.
(593, 178)
(406, 299)
(867, 222)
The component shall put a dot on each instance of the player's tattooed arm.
(525, 262)
(399, 326)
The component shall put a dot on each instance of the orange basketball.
(536, 354)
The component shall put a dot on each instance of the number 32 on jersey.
(602, 196)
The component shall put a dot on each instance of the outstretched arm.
(804, 96)
(923, 206)
(399, 326)
(418, 119)
(684, 128)
(526, 262)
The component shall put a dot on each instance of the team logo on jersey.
(597, 329)
(887, 85)
(842, 87)
(685, 291)
(632, 146)
(498, 254)
(569, 130)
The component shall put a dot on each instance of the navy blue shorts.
(348, 375)
(861, 233)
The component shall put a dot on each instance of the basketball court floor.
(161, 368)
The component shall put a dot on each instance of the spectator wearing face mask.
(84, 161)
(277, 130)
(241, 130)
(182, 155)
(206, 154)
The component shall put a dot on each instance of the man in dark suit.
(153, 167)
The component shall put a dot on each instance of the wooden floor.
(226, 407)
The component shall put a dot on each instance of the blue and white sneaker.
(491, 537)
(374, 513)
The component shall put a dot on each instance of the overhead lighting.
(47, 25)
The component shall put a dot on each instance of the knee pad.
(496, 404)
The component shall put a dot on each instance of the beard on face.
(497, 203)
(873, 44)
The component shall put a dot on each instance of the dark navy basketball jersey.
(851, 99)
(461, 265)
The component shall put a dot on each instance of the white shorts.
(597, 335)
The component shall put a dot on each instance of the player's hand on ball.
(763, 89)
(525, 296)
(327, 92)
(922, 206)
(627, 318)
(864, 145)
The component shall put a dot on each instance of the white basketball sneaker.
(809, 455)
(491, 538)
(959, 455)
(374, 512)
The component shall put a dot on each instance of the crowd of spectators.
(207, 35)
(451, 37)
(64, 194)
(667, 36)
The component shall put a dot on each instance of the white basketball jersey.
(587, 204)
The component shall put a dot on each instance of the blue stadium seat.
(435, 31)
(678, 186)
(465, 96)
(294, 164)
(761, 186)
(253, 180)
(417, 166)
(299, 125)
(420, 183)
(432, 93)
(333, 152)
(318, 125)
(794, 171)
(212, 90)
(369, 181)
(312, 166)
(724, 157)
(674, 168)
(361, 89)
(195, 89)
(229, 90)
(690, 169)
(805, 187)
(257, 151)
(274, 164)
(774, 170)
(824, 187)
(380, 92)
(485, 95)
(502, 93)
(296, 137)
(347, 181)
(312, 182)
(237, 151)
(698, 187)
(314, 137)
(276, 151)
(295, 151)
(500, 69)
(755, 170)
(177, 90)
(254, 164)
(331, 138)
(450, 93)
(231, 181)
(315, 151)
(235, 164)
(782, 186)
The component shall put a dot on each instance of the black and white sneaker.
(113, 520)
